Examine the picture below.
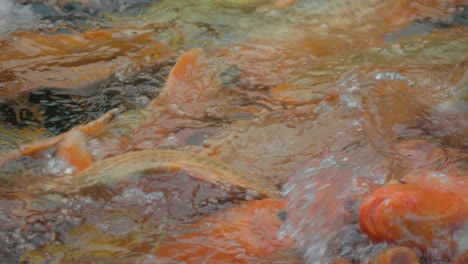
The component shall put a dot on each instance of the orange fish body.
(245, 233)
(422, 210)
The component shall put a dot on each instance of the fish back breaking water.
(117, 168)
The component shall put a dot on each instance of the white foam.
(14, 16)
(461, 238)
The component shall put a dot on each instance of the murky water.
(327, 100)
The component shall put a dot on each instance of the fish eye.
(282, 215)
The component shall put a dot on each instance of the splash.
(14, 16)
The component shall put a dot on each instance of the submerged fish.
(245, 233)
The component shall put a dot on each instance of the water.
(326, 99)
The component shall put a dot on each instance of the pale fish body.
(121, 166)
